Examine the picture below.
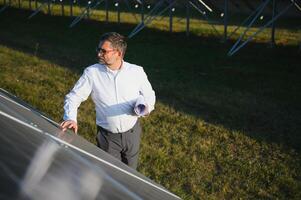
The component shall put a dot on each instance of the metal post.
(273, 24)
(118, 12)
(19, 3)
(29, 4)
(170, 17)
(62, 6)
(225, 20)
(107, 11)
(48, 4)
(88, 10)
(142, 10)
(187, 17)
(71, 8)
(36, 4)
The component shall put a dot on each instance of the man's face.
(107, 55)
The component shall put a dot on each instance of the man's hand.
(141, 110)
(69, 124)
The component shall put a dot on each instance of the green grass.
(223, 128)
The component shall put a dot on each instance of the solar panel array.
(39, 161)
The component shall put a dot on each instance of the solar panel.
(39, 161)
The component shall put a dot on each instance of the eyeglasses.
(103, 51)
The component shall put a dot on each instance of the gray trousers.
(123, 146)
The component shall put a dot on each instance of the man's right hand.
(69, 124)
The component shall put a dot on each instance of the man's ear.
(119, 53)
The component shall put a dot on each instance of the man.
(121, 93)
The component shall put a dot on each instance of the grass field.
(223, 128)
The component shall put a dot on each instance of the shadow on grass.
(257, 91)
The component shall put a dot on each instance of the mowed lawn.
(223, 128)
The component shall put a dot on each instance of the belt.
(105, 130)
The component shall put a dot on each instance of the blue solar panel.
(39, 161)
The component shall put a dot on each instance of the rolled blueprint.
(140, 106)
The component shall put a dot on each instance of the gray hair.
(117, 41)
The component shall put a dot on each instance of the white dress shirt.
(114, 93)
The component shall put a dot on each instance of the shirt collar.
(122, 68)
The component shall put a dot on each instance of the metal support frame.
(206, 17)
(236, 47)
(85, 12)
(247, 19)
(129, 9)
(189, 3)
(118, 11)
(142, 24)
(273, 24)
(159, 9)
(142, 10)
(299, 8)
(142, 4)
(200, 1)
(39, 8)
(151, 16)
(88, 10)
(48, 7)
(107, 10)
(62, 7)
(170, 16)
(225, 20)
(187, 18)
(5, 6)
(71, 8)
(296, 5)
(248, 5)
